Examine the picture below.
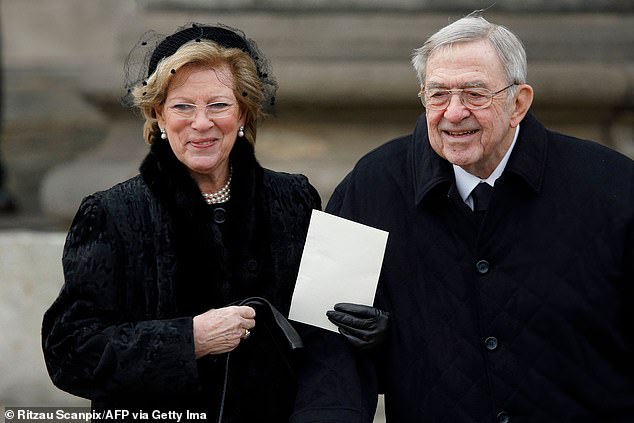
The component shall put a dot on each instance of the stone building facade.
(346, 85)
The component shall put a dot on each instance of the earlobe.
(159, 117)
(522, 103)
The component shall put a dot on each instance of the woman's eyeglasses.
(212, 110)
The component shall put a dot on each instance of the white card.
(341, 263)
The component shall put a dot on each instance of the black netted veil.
(152, 47)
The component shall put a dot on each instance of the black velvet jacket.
(142, 258)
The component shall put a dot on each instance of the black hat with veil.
(153, 47)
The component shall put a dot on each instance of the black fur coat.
(144, 257)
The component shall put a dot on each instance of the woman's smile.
(203, 143)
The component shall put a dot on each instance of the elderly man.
(508, 273)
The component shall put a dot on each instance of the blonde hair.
(246, 84)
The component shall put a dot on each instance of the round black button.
(483, 267)
(491, 343)
(220, 215)
(252, 265)
(503, 417)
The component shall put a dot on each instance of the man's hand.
(365, 327)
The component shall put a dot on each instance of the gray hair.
(474, 27)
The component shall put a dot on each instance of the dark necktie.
(481, 195)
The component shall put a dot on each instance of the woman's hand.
(220, 330)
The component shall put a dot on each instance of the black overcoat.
(142, 258)
(529, 316)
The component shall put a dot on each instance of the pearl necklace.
(221, 196)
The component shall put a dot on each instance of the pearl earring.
(241, 132)
(163, 134)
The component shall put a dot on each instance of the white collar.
(466, 182)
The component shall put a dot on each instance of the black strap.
(223, 394)
(287, 331)
(272, 315)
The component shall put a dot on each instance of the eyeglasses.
(471, 98)
(212, 110)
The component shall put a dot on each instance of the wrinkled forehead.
(183, 75)
(472, 62)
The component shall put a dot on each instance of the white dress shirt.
(466, 182)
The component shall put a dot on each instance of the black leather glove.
(365, 327)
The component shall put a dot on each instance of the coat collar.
(170, 181)
(528, 160)
(430, 170)
(433, 173)
(201, 243)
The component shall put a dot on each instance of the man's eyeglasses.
(212, 110)
(471, 98)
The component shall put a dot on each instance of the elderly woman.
(161, 270)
